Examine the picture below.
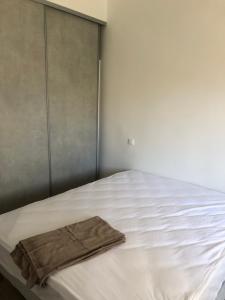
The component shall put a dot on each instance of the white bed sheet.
(175, 247)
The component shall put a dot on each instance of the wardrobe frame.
(70, 11)
(100, 25)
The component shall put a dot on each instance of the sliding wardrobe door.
(24, 172)
(72, 52)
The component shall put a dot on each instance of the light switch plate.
(131, 141)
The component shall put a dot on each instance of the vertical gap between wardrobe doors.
(47, 101)
(99, 102)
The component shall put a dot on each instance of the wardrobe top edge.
(70, 11)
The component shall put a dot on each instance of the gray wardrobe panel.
(72, 44)
(24, 173)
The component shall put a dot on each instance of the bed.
(175, 247)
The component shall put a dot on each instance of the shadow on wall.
(22, 196)
(110, 172)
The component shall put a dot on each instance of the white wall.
(164, 85)
(93, 8)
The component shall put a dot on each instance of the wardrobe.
(49, 79)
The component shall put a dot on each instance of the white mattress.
(175, 247)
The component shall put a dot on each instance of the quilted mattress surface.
(175, 247)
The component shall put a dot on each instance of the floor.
(7, 291)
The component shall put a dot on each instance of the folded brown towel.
(40, 256)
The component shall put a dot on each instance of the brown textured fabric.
(44, 254)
